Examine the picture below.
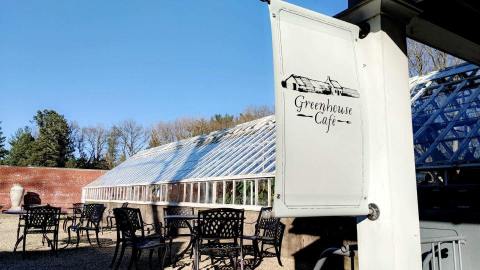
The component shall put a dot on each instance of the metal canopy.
(446, 117)
(450, 26)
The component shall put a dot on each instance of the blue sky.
(101, 62)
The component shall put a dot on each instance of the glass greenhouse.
(236, 166)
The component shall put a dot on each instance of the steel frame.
(445, 117)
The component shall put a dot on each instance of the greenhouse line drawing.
(327, 87)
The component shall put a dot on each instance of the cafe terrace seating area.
(206, 201)
(47, 237)
(179, 205)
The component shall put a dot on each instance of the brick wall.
(56, 186)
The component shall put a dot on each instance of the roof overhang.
(449, 26)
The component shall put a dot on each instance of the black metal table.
(187, 219)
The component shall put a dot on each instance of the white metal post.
(206, 192)
(198, 192)
(269, 190)
(191, 192)
(251, 192)
(393, 240)
(244, 189)
(214, 192)
(184, 199)
(234, 183)
(256, 192)
(223, 191)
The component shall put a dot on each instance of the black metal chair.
(219, 235)
(173, 227)
(21, 218)
(42, 220)
(153, 230)
(111, 217)
(74, 216)
(268, 233)
(92, 215)
(131, 233)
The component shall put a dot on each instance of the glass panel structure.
(236, 166)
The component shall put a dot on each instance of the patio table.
(20, 213)
(187, 219)
(23, 212)
(14, 212)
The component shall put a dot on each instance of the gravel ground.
(85, 257)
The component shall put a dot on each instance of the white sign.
(320, 168)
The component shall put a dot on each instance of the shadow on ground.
(332, 232)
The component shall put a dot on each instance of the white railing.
(246, 193)
(438, 253)
(443, 253)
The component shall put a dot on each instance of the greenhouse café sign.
(323, 110)
(320, 168)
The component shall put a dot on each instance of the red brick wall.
(56, 186)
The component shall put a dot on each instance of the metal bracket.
(374, 211)
(364, 30)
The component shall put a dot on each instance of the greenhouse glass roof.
(446, 127)
(244, 151)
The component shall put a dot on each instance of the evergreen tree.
(22, 144)
(111, 157)
(3, 151)
(54, 146)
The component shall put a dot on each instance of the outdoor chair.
(111, 217)
(92, 215)
(131, 233)
(219, 234)
(268, 233)
(42, 220)
(21, 218)
(174, 226)
(74, 216)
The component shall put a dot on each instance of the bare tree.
(95, 142)
(254, 112)
(182, 128)
(423, 59)
(199, 127)
(161, 133)
(133, 137)
(416, 58)
(167, 132)
(78, 139)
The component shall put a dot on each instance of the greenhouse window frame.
(198, 195)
